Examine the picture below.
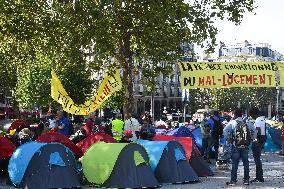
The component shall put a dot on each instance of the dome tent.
(269, 145)
(87, 142)
(6, 151)
(6, 148)
(118, 165)
(18, 125)
(168, 161)
(180, 132)
(60, 138)
(275, 134)
(43, 165)
(199, 165)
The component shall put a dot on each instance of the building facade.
(167, 94)
(247, 52)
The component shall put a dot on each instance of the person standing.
(147, 131)
(63, 124)
(215, 126)
(282, 137)
(258, 143)
(131, 124)
(205, 136)
(117, 127)
(240, 136)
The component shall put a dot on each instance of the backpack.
(242, 135)
(217, 129)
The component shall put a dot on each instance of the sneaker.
(257, 180)
(246, 182)
(231, 183)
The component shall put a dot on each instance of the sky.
(265, 25)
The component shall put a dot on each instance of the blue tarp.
(269, 144)
(21, 159)
(161, 131)
(180, 132)
(275, 135)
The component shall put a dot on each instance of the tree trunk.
(126, 60)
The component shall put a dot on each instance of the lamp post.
(277, 100)
(178, 113)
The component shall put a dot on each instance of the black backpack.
(217, 129)
(242, 135)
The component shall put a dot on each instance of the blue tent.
(53, 166)
(270, 146)
(197, 136)
(168, 161)
(275, 134)
(180, 132)
(161, 131)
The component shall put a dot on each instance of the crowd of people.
(237, 136)
(225, 141)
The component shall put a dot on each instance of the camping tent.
(199, 165)
(43, 165)
(197, 136)
(6, 148)
(18, 125)
(269, 145)
(118, 165)
(168, 161)
(185, 141)
(6, 151)
(180, 132)
(201, 168)
(60, 138)
(87, 142)
(275, 134)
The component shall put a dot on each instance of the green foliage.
(227, 99)
(115, 101)
(149, 31)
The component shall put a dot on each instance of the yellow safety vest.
(117, 129)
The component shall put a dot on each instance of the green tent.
(118, 165)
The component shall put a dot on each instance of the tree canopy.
(67, 32)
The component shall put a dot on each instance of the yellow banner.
(280, 74)
(227, 74)
(109, 85)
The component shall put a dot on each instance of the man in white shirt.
(258, 143)
(131, 124)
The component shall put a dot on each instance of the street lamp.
(178, 113)
(277, 100)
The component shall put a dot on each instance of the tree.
(128, 30)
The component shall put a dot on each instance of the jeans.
(237, 154)
(213, 142)
(256, 150)
(204, 147)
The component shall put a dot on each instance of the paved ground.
(273, 175)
